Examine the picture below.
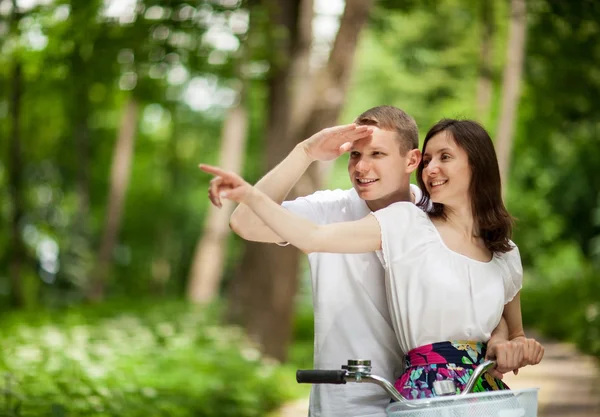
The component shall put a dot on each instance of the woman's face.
(446, 171)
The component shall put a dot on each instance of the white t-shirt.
(352, 320)
(436, 294)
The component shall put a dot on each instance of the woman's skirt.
(454, 360)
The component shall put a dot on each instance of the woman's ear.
(413, 159)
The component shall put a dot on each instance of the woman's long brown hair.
(492, 219)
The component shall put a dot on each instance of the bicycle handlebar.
(360, 371)
(317, 376)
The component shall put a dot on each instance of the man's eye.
(354, 154)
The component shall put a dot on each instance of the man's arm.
(533, 352)
(325, 145)
(514, 321)
(508, 345)
(507, 355)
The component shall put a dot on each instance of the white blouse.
(435, 294)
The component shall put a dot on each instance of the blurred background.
(122, 292)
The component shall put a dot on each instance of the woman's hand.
(226, 185)
(508, 356)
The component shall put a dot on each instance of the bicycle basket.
(517, 403)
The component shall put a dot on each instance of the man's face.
(378, 170)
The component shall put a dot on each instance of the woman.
(451, 271)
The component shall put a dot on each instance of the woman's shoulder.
(512, 272)
(404, 220)
(511, 260)
(407, 207)
(512, 254)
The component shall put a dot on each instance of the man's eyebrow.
(371, 148)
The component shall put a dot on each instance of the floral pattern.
(454, 360)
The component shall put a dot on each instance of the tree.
(207, 266)
(485, 77)
(18, 253)
(119, 180)
(262, 293)
(511, 85)
(81, 63)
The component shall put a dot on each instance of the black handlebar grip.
(317, 376)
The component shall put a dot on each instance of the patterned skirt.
(454, 360)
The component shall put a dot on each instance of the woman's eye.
(354, 154)
(445, 156)
(425, 163)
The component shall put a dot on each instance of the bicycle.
(447, 403)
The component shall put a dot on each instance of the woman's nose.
(431, 168)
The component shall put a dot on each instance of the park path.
(569, 384)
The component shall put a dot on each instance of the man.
(351, 313)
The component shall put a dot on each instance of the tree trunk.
(331, 86)
(81, 137)
(267, 276)
(79, 64)
(168, 246)
(485, 80)
(263, 291)
(15, 181)
(206, 272)
(207, 266)
(511, 85)
(120, 173)
(18, 254)
(80, 251)
(301, 78)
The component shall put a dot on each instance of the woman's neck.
(461, 219)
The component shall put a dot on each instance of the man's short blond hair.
(395, 120)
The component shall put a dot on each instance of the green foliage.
(77, 78)
(568, 309)
(155, 359)
(552, 190)
(422, 56)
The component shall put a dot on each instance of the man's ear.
(413, 159)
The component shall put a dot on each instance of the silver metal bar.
(390, 389)
(383, 383)
(477, 373)
(360, 371)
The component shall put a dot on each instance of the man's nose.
(362, 166)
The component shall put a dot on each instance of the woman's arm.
(347, 237)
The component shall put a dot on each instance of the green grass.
(159, 359)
